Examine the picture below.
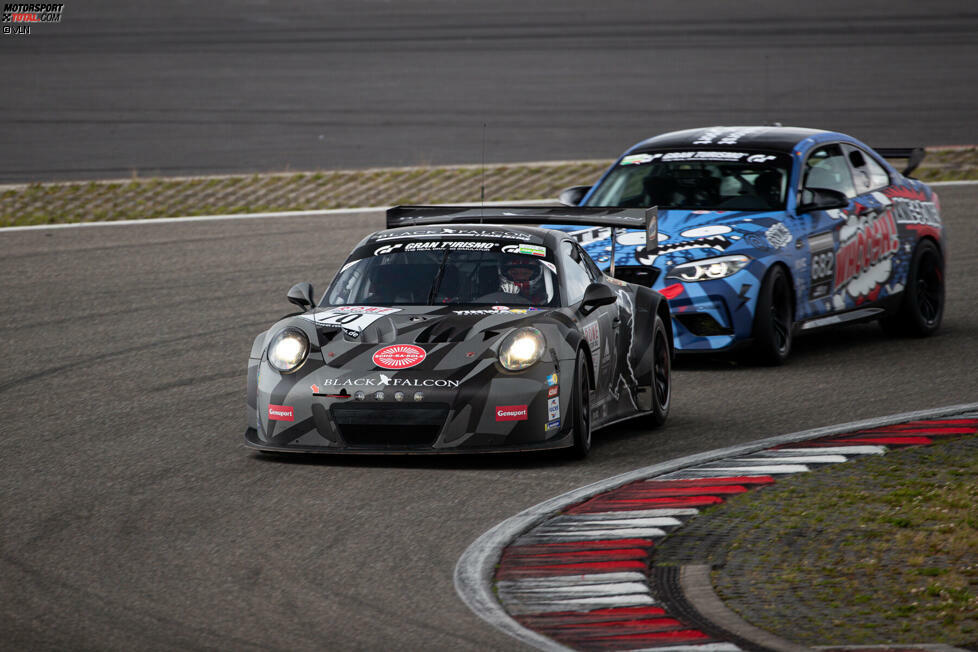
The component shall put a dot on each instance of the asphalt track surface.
(120, 88)
(133, 517)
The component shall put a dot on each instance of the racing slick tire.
(922, 307)
(581, 402)
(773, 319)
(661, 375)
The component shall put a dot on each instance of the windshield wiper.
(436, 284)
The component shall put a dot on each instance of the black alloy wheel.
(661, 374)
(922, 308)
(582, 408)
(773, 320)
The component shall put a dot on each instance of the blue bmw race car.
(765, 232)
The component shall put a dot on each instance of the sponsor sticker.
(280, 413)
(552, 379)
(553, 409)
(315, 388)
(553, 391)
(511, 413)
(552, 425)
(533, 250)
(399, 356)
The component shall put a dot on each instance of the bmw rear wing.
(914, 156)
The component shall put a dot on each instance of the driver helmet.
(520, 276)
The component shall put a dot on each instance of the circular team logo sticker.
(399, 356)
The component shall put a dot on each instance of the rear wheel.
(582, 408)
(922, 308)
(661, 374)
(773, 319)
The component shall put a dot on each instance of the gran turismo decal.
(399, 356)
(512, 413)
(435, 245)
(280, 412)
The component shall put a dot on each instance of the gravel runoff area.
(147, 198)
(884, 548)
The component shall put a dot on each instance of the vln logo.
(399, 356)
(511, 413)
(280, 413)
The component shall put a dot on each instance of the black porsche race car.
(461, 330)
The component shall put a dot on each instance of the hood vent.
(442, 331)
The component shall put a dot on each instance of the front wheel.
(582, 408)
(661, 375)
(922, 308)
(773, 319)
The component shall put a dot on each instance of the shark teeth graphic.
(712, 242)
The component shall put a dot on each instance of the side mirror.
(595, 296)
(573, 196)
(821, 199)
(301, 295)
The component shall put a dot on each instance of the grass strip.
(148, 198)
(883, 549)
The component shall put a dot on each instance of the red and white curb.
(573, 571)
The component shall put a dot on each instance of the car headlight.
(708, 269)
(521, 348)
(288, 350)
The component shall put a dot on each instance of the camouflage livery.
(846, 262)
(427, 378)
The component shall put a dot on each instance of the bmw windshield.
(446, 272)
(697, 180)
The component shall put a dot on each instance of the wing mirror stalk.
(301, 295)
(595, 296)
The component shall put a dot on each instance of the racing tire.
(922, 308)
(773, 321)
(661, 375)
(581, 400)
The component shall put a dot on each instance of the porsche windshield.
(697, 180)
(446, 272)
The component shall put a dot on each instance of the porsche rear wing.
(646, 219)
(914, 156)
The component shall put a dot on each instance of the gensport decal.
(280, 412)
(512, 413)
(399, 356)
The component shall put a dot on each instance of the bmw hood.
(686, 235)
